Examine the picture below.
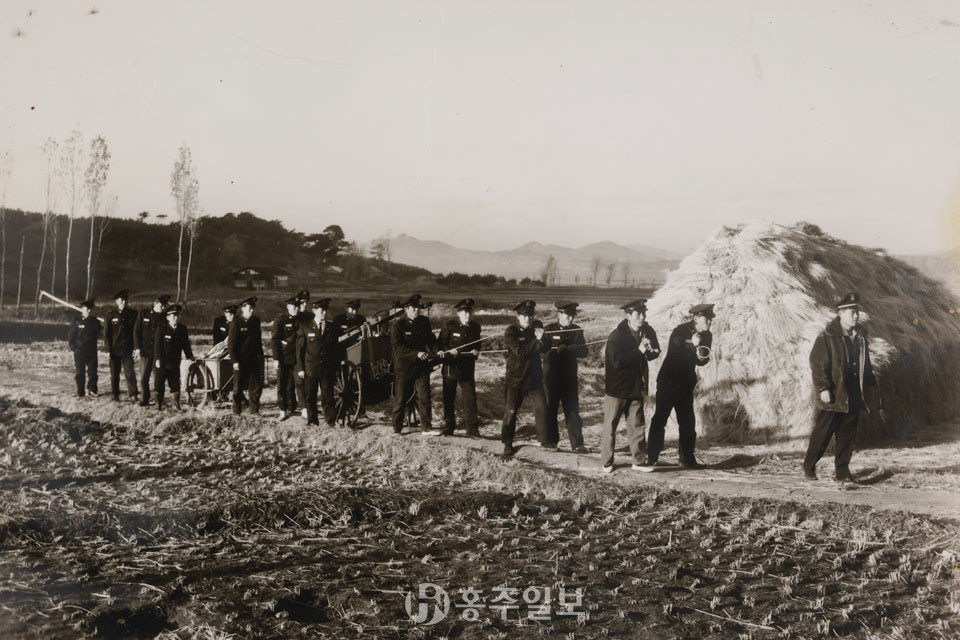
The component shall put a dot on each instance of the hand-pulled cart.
(366, 373)
(210, 378)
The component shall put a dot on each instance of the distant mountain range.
(605, 262)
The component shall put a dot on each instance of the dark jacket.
(220, 329)
(409, 337)
(563, 350)
(118, 333)
(147, 322)
(454, 335)
(828, 363)
(83, 335)
(245, 340)
(343, 323)
(317, 349)
(169, 344)
(524, 368)
(680, 365)
(284, 338)
(627, 373)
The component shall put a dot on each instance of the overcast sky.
(487, 124)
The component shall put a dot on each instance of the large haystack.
(775, 287)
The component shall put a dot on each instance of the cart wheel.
(412, 411)
(199, 384)
(348, 394)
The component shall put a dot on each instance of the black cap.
(123, 293)
(355, 303)
(164, 299)
(303, 295)
(536, 323)
(232, 308)
(173, 308)
(89, 304)
(852, 299)
(464, 305)
(705, 310)
(321, 303)
(567, 306)
(295, 301)
(640, 304)
(416, 300)
(252, 301)
(526, 307)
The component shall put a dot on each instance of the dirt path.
(922, 478)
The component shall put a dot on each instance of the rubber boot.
(176, 401)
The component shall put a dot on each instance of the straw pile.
(775, 288)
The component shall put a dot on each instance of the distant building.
(261, 278)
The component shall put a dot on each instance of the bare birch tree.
(184, 188)
(6, 168)
(109, 211)
(193, 230)
(95, 179)
(595, 263)
(625, 270)
(52, 191)
(71, 164)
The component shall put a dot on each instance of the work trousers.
(324, 385)
(405, 383)
(514, 397)
(249, 378)
(469, 396)
(613, 410)
(169, 376)
(126, 362)
(287, 386)
(680, 400)
(85, 363)
(146, 370)
(564, 392)
(825, 425)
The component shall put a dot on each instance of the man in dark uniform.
(171, 341)
(245, 346)
(148, 321)
(350, 318)
(840, 363)
(566, 345)
(82, 338)
(459, 344)
(118, 338)
(316, 362)
(413, 344)
(524, 374)
(222, 323)
(284, 343)
(688, 349)
(304, 314)
(628, 349)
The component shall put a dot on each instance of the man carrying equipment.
(82, 338)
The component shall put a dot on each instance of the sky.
(487, 124)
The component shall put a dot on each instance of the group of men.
(541, 367)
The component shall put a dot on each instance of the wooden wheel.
(199, 384)
(348, 394)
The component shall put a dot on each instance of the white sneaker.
(608, 469)
(429, 433)
(303, 413)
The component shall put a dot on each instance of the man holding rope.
(458, 368)
(560, 367)
(524, 374)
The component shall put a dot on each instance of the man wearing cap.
(630, 346)
(566, 345)
(304, 314)
(284, 343)
(82, 338)
(840, 363)
(171, 341)
(148, 321)
(524, 374)
(221, 324)
(245, 346)
(688, 349)
(317, 364)
(413, 344)
(459, 344)
(118, 338)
